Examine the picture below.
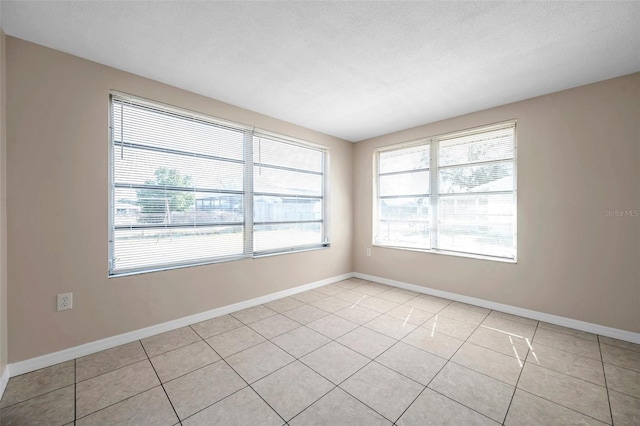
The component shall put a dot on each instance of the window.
(188, 190)
(453, 193)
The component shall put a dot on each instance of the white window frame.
(248, 193)
(434, 168)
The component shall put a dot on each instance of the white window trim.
(433, 142)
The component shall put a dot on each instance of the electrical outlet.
(368, 252)
(65, 301)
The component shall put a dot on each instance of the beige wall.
(578, 155)
(57, 191)
(3, 211)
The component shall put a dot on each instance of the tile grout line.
(622, 368)
(424, 387)
(515, 387)
(170, 350)
(563, 406)
(572, 377)
(362, 368)
(115, 403)
(243, 379)
(559, 404)
(459, 403)
(122, 400)
(569, 352)
(620, 347)
(160, 380)
(604, 374)
(214, 403)
(265, 337)
(129, 363)
(572, 335)
(449, 361)
(39, 395)
(316, 400)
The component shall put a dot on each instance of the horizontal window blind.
(404, 213)
(186, 190)
(288, 195)
(472, 209)
(476, 209)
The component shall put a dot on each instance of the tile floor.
(350, 353)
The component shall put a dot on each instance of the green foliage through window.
(157, 204)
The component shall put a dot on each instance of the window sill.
(214, 261)
(299, 250)
(451, 253)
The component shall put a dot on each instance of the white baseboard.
(602, 330)
(43, 361)
(4, 379)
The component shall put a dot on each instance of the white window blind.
(288, 198)
(476, 209)
(182, 190)
(451, 193)
(404, 214)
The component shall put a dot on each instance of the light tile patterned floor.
(350, 353)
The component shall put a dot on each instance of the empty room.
(319, 213)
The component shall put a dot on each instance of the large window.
(452, 193)
(188, 189)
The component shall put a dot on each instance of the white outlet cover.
(65, 301)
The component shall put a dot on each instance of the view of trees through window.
(157, 205)
(473, 208)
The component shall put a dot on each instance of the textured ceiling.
(349, 69)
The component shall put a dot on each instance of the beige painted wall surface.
(578, 155)
(57, 189)
(3, 209)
